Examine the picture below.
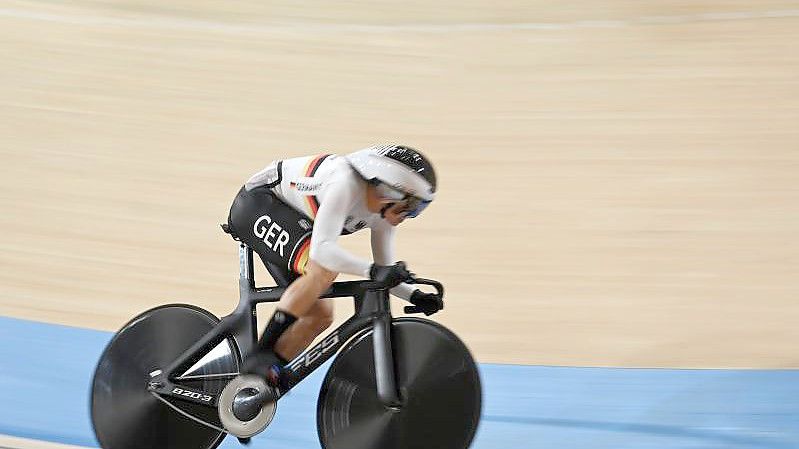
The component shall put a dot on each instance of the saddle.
(226, 228)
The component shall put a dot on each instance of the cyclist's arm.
(340, 196)
(383, 252)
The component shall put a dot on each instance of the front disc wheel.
(439, 389)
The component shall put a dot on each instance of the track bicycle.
(170, 377)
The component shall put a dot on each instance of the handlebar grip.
(435, 284)
(412, 309)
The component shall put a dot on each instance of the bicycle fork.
(385, 374)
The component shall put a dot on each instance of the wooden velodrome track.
(619, 179)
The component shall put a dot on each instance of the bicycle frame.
(372, 310)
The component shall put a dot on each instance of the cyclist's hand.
(429, 303)
(390, 275)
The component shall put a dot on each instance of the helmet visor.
(410, 205)
(416, 206)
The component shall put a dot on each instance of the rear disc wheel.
(439, 388)
(125, 415)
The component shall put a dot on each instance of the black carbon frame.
(372, 309)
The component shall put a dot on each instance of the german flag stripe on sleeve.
(301, 258)
(310, 170)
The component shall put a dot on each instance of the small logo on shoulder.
(306, 185)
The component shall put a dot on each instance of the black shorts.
(276, 231)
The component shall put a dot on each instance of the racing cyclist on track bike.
(292, 213)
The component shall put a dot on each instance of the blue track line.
(46, 370)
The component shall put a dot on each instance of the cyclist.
(291, 214)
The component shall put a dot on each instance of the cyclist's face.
(393, 211)
(396, 213)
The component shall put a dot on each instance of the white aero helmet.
(401, 172)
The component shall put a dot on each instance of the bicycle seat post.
(246, 270)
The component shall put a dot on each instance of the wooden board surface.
(619, 180)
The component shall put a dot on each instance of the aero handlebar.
(419, 281)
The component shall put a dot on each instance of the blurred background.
(619, 180)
